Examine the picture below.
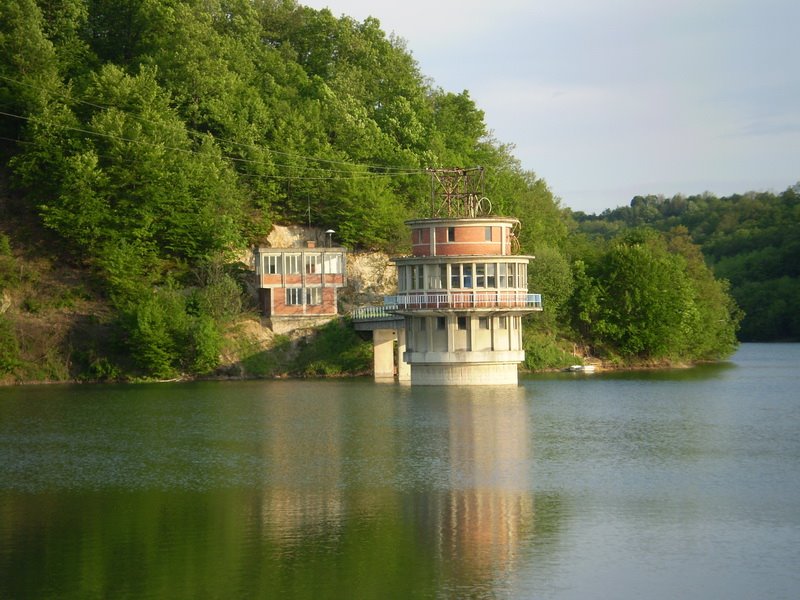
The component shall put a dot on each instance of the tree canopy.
(751, 240)
(154, 141)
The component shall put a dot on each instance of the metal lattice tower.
(458, 192)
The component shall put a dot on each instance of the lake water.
(680, 484)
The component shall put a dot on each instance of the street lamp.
(330, 233)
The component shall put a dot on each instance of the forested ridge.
(752, 240)
(146, 145)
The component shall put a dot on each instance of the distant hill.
(752, 240)
(145, 146)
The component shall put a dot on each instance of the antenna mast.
(457, 192)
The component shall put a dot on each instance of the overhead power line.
(385, 171)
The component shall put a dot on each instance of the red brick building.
(299, 282)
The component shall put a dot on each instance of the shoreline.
(600, 367)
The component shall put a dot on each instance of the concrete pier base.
(403, 368)
(383, 353)
(464, 374)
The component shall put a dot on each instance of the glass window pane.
(467, 270)
(455, 276)
(503, 275)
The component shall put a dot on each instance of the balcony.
(463, 300)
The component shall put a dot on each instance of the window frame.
(480, 275)
(292, 264)
(313, 296)
(466, 275)
(272, 264)
(455, 277)
(311, 264)
(491, 275)
(294, 296)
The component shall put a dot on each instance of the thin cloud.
(606, 95)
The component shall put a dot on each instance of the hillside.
(146, 146)
(751, 240)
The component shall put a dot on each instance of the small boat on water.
(582, 369)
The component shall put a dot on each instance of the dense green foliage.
(154, 139)
(751, 240)
(651, 297)
(151, 143)
(335, 349)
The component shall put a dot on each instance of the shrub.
(9, 347)
(336, 349)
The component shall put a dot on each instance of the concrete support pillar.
(452, 327)
(403, 368)
(383, 353)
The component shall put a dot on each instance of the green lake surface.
(668, 484)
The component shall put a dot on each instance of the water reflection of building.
(303, 456)
(480, 521)
(440, 478)
(321, 470)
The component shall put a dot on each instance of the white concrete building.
(463, 293)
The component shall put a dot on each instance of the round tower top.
(458, 236)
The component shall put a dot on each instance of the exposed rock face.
(295, 236)
(370, 277)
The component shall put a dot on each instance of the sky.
(609, 99)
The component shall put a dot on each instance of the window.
(455, 276)
(437, 277)
(312, 263)
(467, 269)
(314, 296)
(294, 296)
(441, 323)
(272, 264)
(502, 322)
(417, 277)
(512, 269)
(503, 272)
(487, 234)
(491, 279)
(333, 263)
(422, 323)
(451, 234)
(480, 276)
(483, 322)
(292, 264)
(462, 323)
